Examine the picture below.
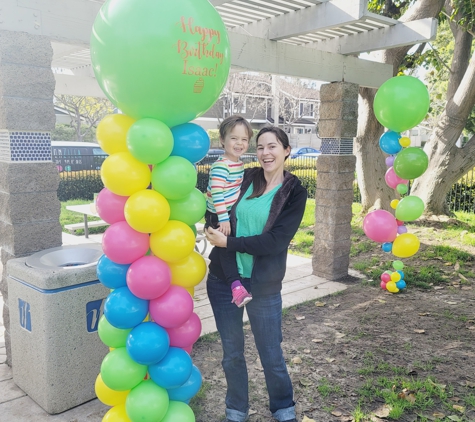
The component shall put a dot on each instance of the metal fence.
(80, 178)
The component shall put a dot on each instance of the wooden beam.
(407, 33)
(261, 55)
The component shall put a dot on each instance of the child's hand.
(225, 228)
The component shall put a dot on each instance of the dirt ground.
(341, 347)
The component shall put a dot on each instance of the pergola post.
(29, 205)
(335, 176)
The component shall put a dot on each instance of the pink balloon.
(187, 334)
(383, 285)
(173, 308)
(380, 226)
(392, 179)
(188, 349)
(124, 245)
(110, 206)
(148, 277)
(385, 277)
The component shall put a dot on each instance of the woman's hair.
(229, 123)
(259, 182)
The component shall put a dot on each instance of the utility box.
(55, 302)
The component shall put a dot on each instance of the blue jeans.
(265, 316)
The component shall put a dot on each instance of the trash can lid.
(66, 257)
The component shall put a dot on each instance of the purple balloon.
(401, 229)
(390, 160)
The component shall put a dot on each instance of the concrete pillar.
(29, 206)
(335, 175)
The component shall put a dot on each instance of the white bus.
(74, 156)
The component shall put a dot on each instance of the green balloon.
(189, 209)
(147, 402)
(150, 141)
(179, 412)
(110, 335)
(401, 103)
(402, 188)
(168, 60)
(120, 372)
(409, 208)
(193, 227)
(174, 178)
(410, 163)
(398, 265)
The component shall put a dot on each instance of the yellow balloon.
(112, 131)
(391, 287)
(405, 245)
(147, 211)
(394, 203)
(404, 141)
(123, 175)
(116, 414)
(107, 395)
(173, 242)
(395, 277)
(189, 271)
(190, 290)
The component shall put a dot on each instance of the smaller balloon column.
(149, 263)
(400, 104)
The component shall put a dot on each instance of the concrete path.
(15, 406)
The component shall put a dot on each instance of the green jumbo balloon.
(120, 372)
(110, 335)
(409, 208)
(168, 60)
(174, 178)
(179, 412)
(401, 103)
(410, 163)
(147, 402)
(189, 209)
(150, 141)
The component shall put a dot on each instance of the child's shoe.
(241, 296)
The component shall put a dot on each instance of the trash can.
(55, 302)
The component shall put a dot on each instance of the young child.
(224, 186)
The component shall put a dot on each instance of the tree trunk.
(370, 162)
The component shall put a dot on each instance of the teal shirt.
(251, 217)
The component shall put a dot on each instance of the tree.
(447, 162)
(85, 113)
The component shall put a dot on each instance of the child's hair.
(229, 123)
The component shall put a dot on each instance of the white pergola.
(313, 39)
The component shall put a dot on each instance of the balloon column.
(163, 64)
(401, 103)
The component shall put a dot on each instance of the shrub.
(79, 185)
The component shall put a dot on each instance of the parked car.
(303, 150)
(75, 156)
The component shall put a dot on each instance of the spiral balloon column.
(162, 64)
(400, 104)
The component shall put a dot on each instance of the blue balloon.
(173, 370)
(148, 343)
(389, 142)
(123, 309)
(401, 284)
(387, 246)
(111, 274)
(188, 389)
(401, 273)
(190, 141)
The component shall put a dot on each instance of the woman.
(263, 222)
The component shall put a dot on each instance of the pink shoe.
(241, 296)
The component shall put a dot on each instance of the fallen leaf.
(381, 301)
(454, 418)
(438, 415)
(337, 413)
(441, 386)
(300, 318)
(329, 324)
(339, 335)
(457, 266)
(296, 360)
(466, 288)
(320, 304)
(411, 398)
(305, 419)
(461, 409)
(447, 264)
(470, 384)
(424, 314)
(329, 360)
(252, 412)
(472, 327)
(305, 382)
(420, 331)
(336, 305)
(452, 303)
(306, 350)
(317, 340)
(463, 277)
(438, 287)
(383, 411)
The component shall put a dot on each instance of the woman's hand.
(216, 238)
(225, 228)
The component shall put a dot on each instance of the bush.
(79, 185)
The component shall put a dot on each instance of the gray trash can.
(55, 302)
